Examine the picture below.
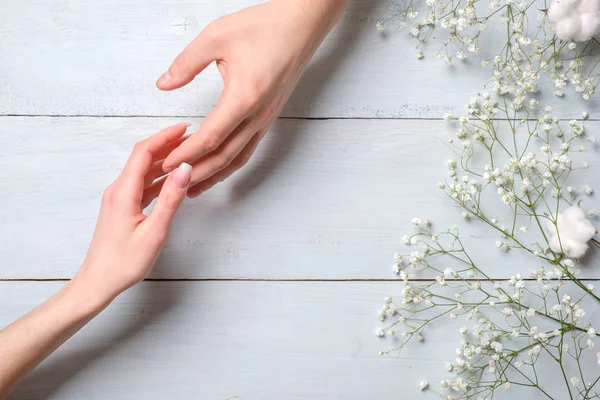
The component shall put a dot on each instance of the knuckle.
(211, 143)
(170, 202)
(212, 32)
(222, 161)
(108, 197)
(251, 98)
(140, 147)
(264, 117)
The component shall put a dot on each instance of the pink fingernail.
(182, 175)
(165, 78)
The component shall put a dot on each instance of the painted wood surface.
(241, 340)
(102, 58)
(320, 200)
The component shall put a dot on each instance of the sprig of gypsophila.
(528, 53)
(526, 167)
(530, 157)
(528, 164)
(505, 338)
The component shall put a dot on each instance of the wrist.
(324, 13)
(89, 296)
(309, 22)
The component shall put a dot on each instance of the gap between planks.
(285, 118)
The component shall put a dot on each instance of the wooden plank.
(227, 340)
(102, 58)
(320, 200)
(243, 340)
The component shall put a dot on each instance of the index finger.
(229, 113)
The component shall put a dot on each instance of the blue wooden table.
(269, 284)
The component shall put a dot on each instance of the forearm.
(313, 20)
(32, 338)
(324, 13)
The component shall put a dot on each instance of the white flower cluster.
(512, 148)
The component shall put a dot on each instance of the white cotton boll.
(577, 20)
(590, 25)
(574, 232)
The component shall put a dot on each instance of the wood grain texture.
(320, 200)
(102, 58)
(240, 340)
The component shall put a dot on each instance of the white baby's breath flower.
(530, 312)
(591, 332)
(574, 380)
(424, 385)
(449, 273)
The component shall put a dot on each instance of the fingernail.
(181, 176)
(165, 78)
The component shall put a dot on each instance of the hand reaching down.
(261, 53)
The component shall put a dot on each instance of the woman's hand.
(261, 53)
(126, 242)
(124, 248)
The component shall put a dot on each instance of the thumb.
(170, 198)
(190, 62)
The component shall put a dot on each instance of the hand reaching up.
(126, 242)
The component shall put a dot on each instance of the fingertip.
(182, 176)
(173, 78)
(163, 81)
